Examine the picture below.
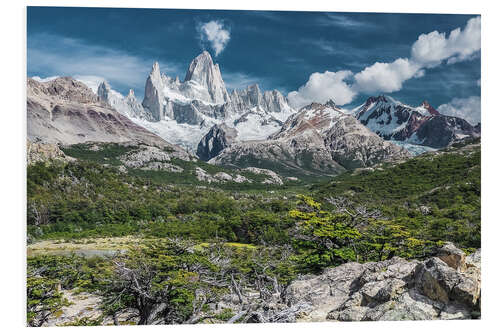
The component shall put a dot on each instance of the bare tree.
(359, 214)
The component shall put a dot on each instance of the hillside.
(261, 241)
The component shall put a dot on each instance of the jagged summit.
(155, 68)
(202, 62)
(203, 71)
(331, 103)
(425, 104)
(319, 106)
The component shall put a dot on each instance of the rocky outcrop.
(219, 177)
(44, 152)
(444, 287)
(154, 158)
(65, 111)
(218, 138)
(294, 159)
(273, 177)
(441, 131)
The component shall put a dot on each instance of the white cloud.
(433, 48)
(466, 108)
(386, 77)
(428, 51)
(331, 19)
(324, 86)
(215, 33)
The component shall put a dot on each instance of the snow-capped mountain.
(319, 139)
(200, 115)
(183, 112)
(420, 125)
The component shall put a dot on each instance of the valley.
(200, 205)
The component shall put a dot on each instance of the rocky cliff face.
(350, 143)
(218, 138)
(66, 111)
(268, 101)
(421, 125)
(202, 93)
(447, 286)
(203, 72)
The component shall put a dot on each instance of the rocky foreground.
(447, 286)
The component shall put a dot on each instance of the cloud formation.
(50, 55)
(385, 77)
(433, 48)
(324, 86)
(430, 50)
(215, 34)
(466, 108)
(342, 21)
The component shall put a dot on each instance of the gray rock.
(154, 158)
(452, 256)
(44, 152)
(394, 289)
(218, 138)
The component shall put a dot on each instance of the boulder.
(452, 256)
(395, 289)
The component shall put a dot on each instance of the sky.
(308, 56)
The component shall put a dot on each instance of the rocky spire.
(153, 93)
(203, 71)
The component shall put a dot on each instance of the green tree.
(43, 299)
(322, 238)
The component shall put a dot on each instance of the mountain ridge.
(422, 125)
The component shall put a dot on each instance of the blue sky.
(354, 55)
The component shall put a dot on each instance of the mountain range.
(242, 128)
